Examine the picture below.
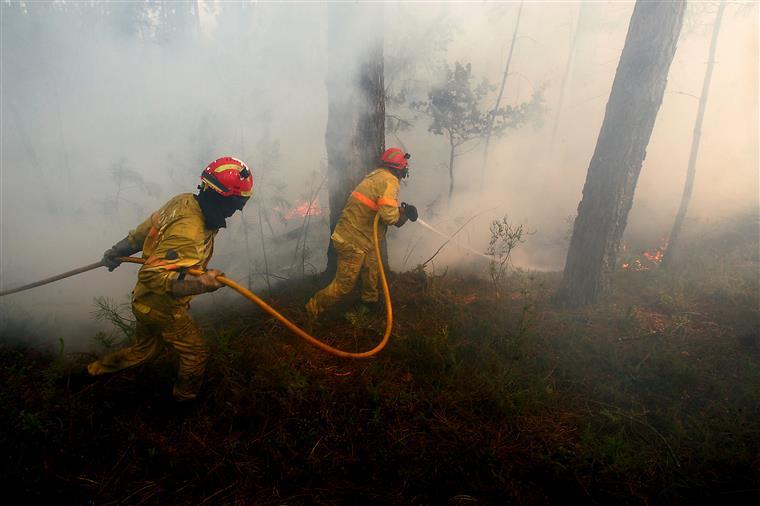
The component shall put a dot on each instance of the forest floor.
(651, 396)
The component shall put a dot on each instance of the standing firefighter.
(353, 235)
(177, 237)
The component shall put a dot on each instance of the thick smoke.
(110, 109)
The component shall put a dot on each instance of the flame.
(651, 258)
(304, 208)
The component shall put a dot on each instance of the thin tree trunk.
(451, 169)
(492, 116)
(635, 99)
(691, 171)
(568, 66)
(302, 236)
(245, 229)
(263, 247)
(247, 249)
(355, 135)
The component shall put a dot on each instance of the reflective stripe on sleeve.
(154, 261)
(387, 202)
(365, 200)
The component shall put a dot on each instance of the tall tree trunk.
(492, 116)
(451, 169)
(244, 224)
(691, 171)
(355, 135)
(632, 108)
(579, 27)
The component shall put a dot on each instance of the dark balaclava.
(217, 208)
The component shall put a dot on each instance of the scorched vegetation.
(653, 395)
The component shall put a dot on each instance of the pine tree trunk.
(355, 135)
(498, 100)
(632, 108)
(691, 171)
(580, 26)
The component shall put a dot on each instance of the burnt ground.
(651, 396)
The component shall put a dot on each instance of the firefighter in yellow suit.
(178, 236)
(353, 235)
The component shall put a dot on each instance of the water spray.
(451, 238)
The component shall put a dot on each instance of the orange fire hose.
(266, 307)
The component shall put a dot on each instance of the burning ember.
(648, 260)
(304, 208)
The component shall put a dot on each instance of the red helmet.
(395, 159)
(228, 176)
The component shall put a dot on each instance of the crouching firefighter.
(353, 235)
(177, 237)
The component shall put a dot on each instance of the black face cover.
(217, 208)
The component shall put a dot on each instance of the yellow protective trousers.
(352, 261)
(153, 331)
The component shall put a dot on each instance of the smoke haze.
(110, 109)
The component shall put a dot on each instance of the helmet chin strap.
(401, 174)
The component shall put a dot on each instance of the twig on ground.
(645, 424)
(454, 235)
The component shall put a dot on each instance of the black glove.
(122, 248)
(410, 211)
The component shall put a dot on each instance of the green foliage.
(360, 318)
(118, 315)
(505, 237)
(30, 422)
(59, 367)
(457, 110)
(454, 105)
(296, 383)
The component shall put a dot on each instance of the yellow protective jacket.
(173, 238)
(377, 193)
